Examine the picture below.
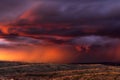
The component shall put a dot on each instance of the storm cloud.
(12, 9)
(65, 18)
(86, 29)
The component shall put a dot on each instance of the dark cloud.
(11, 9)
(97, 49)
(87, 29)
(65, 18)
(79, 11)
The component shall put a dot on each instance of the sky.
(60, 31)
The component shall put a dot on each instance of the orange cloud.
(4, 28)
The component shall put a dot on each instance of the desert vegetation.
(36, 71)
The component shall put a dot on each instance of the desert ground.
(41, 71)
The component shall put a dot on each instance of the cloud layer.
(86, 31)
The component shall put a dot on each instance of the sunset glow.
(44, 55)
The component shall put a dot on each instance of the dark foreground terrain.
(35, 71)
